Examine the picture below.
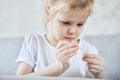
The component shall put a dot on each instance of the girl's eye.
(79, 24)
(66, 23)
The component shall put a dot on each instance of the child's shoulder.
(33, 37)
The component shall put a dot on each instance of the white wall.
(105, 19)
(20, 17)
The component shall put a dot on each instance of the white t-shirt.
(38, 53)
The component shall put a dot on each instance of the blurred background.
(21, 17)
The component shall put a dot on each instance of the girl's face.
(67, 26)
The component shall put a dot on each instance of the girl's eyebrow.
(65, 19)
(79, 20)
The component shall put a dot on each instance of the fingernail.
(85, 55)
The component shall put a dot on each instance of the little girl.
(59, 52)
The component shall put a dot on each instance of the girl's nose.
(72, 30)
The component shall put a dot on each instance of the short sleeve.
(27, 52)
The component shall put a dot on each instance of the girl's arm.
(64, 51)
(51, 70)
(24, 68)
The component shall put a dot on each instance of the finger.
(68, 45)
(98, 58)
(70, 50)
(70, 55)
(95, 62)
(67, 51)
(91, 61)
(67, 57)
(61, 43)
(92, 56)
(95, 67)
(93, 71)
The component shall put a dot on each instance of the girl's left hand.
(95, 64)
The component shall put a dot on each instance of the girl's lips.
(69, 38)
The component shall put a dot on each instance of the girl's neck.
(50, 40)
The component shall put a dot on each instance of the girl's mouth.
(69, 38)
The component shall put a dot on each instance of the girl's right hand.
(64, 51)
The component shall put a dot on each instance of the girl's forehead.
(74, 15)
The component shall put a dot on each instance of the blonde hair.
(68, 5)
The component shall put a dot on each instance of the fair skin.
(62, 33)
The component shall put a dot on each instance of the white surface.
(41, 78)
(105, 19)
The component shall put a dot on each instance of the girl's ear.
(46, 10)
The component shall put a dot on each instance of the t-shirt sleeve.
(27, 51)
